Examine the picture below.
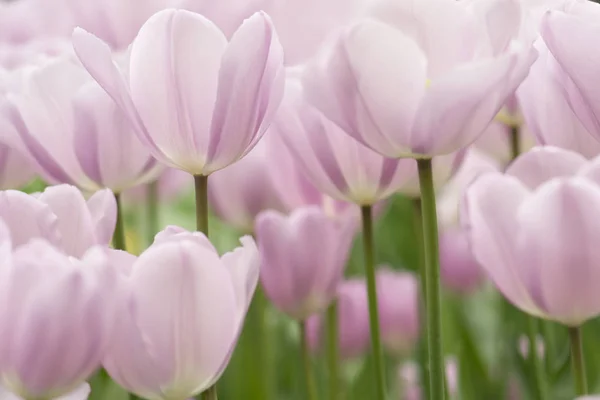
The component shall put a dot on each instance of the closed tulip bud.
(61, 216)
(56, 318)
(198, 102)
(408, 82)
(353, 321)
(335, 163)
(75, 132)
(239, 193)
(531, 230)
(398, 303)
(303, 258)
(176, 335)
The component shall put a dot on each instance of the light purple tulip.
(81, 393)
(239, 193)
(57, 315)
(496, 140)
(336, 164)
(353, 321)
(61, 216)
(409, 381)
(25, 20)
(459, 270)
(303, 258)
(547, 111)
(198, 102)
(410, 84)
(75, 132)
(176, 335)
(398, 304)
(533, 231)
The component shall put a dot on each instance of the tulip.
(61, 216)
(497, 140)
(239, 193)
(353, 321)
(408, 84)
(336, 164)
(75, 132)
(81, 393)
(176, 335)
(547, 111)
(24, 20)
(303, 258)
(57, 315)
(198, 102)
(410, 386)
(397, 298)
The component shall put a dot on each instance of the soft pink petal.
(102, 207)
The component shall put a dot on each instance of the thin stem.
(311, 388)
(261, 351)
(515, 142)
(577, 361)
(151, 211)
(332, 350)
(541, 389)
(210, 394)
(377, 350)
(119, 235)
(422, 348)
(201, 185)
(432, 281)
(134, 397)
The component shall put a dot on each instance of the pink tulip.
(24, 20)
(398, 303)
(496, 140)
(75, 132)
(303, 258)
(239, 193)
(532, 230)
(81, 393)
(198, 102)
(57, 316)
(547, 111)
(410, 385)
(176, 335)
(61, 216)
(409, 83)
(336, 164)
(353, 321)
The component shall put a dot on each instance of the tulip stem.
(377, 350)
(332, 350)
(134, 397)
(119, 235)
(577, 361)
(432, 281)
(210, 393)
(201, 186)
(311, 388)
(536, 361)
(515, 142)
(151, 210)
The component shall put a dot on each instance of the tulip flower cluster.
(303, 199)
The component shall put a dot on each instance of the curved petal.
(102, 207)
(544, 163)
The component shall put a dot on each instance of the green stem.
(515, 142)
(119, 235)
(332, 350)
(311, 388)
(538, 368)
(422, 347)
(134, 397)
(261, 347)
(201, 185)
(210, 393)
(577, 361)
(151, 211)
(377, 350)
(432, 281)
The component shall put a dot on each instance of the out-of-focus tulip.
(56, 315)
(303, 258)
(335, 163)
(547, 111)
(533, 231)
(75, 132)
(197, 101)
(15, 169)
(458, 268)
(353, 321)
(61, 216)
(398, 303)
(410, 385)
(25, 20)
(496, 141)
(171, 184)
(239, 193)
(176, 335)
(81, 393)
(410, 85)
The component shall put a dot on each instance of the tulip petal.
(102, 207)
